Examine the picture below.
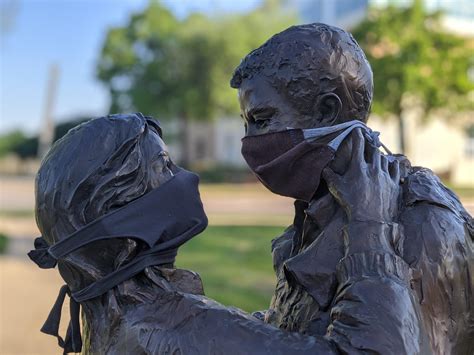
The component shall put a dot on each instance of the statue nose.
(252, 130)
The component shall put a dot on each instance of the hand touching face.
(369, 190)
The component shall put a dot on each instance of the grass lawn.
(234, 263)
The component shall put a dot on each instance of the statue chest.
(306, 281)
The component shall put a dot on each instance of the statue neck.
(103, 315)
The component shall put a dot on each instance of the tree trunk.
(185, 140)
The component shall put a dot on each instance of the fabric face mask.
(163, 219)
(290, 162)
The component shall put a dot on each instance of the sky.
(69, 33)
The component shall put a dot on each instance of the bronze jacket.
(415, 300)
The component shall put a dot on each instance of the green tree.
(412, 56)
(23, 146)
(180, 69)
(19, 144)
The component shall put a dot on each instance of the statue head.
(94, 169)
(307, 76)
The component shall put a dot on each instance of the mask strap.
(334, 144)
(162, 254)
(324, 131)
(371, 136)
(73, 341)
(374, 138)
(97, 230)
(124, 273)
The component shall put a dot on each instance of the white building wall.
(388, 132)
(341, 13)
(437, 144)
(227, 139)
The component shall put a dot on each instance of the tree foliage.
(18, 143)
(23, 146)
(169, 68)
(410, 53)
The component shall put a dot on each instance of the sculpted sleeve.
(440, 250)
(438, 244)
(374, 310)
(189, 324)
(373, 315)
(418, 299)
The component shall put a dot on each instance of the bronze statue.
(113, 210)
(379, 258)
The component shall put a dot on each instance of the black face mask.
(162, 219)
(290, 162)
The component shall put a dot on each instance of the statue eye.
(261, 117)
(261, 123)
(264, 114)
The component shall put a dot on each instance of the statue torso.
(436, 242)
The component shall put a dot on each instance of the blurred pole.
(9, 10)
(47, 126)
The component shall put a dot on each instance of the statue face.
(265, 110)
(161, 166)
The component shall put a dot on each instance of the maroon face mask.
(290, 162)
(286, 163)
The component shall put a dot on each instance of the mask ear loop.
(371, 136)
(336, 142)
(374, 138)
(324, 131)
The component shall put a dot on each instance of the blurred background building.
(458, 15)
(340, 13)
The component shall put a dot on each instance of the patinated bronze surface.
(380, 259)
(97, 168)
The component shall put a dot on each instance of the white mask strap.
(372, 136)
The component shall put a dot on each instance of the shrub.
(3, 243)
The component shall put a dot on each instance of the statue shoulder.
(433, 219)
(421, 185)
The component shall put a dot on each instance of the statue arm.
(194, 324)
(374, 309)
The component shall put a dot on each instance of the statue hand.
(369, 189)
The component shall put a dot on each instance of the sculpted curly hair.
(306, 61)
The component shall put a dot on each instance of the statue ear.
(328, 106)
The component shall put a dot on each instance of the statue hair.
(306, 61)
(95, 168)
